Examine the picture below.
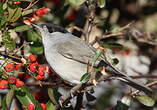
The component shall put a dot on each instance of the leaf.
(111, 45)
(145, 100)
(9, 97)
(37, 50)
(1, 10)
(14, 14)
(76, 2)
(21, 28)
(50, 106)
(25, 97)
(98, 54)
(101, 3)
(85, 77)
(52, 95)
(32, 36)
(26, 12)
(8, 42)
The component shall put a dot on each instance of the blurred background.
(128, 28)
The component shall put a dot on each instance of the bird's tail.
(128, 80)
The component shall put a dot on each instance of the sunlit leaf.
(146, 100)
(85, 77)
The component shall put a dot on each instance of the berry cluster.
(38, 14)
(37, 71)
(34, 67)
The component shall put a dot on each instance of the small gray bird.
(69, 56)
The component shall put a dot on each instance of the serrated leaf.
(76, 2)
(145, 100)
(85, 77)
(9, 97)
(101, 3)
(25, 97)
(21, 28)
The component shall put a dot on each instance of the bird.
(69, 56)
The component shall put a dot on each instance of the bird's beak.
(38, 26)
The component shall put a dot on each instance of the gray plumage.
(69, 56)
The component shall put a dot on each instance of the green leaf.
(1, 10)
(101, 3)
(3, 103)
(37, 50)
(76, 2)
(32, 36)
(98, 54)
(52, 95)
(145, 100)
(85, 77)
(21, 28)
(9, 97)
(50, 106)
(26, 12)
(14, 14)
(25, 97)
(8, 42)
(111, 45)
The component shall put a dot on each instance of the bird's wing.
(81, 52)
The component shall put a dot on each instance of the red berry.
(31, 107)
(39, 77)
(12, 79)
(17, 67)
(42, 11)
(19, 83)
(17, 3)
(33, 66)
(41, 70)
(26, 21)
(9, 67)
(43, 106)
(3, 84)
(32, 57)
